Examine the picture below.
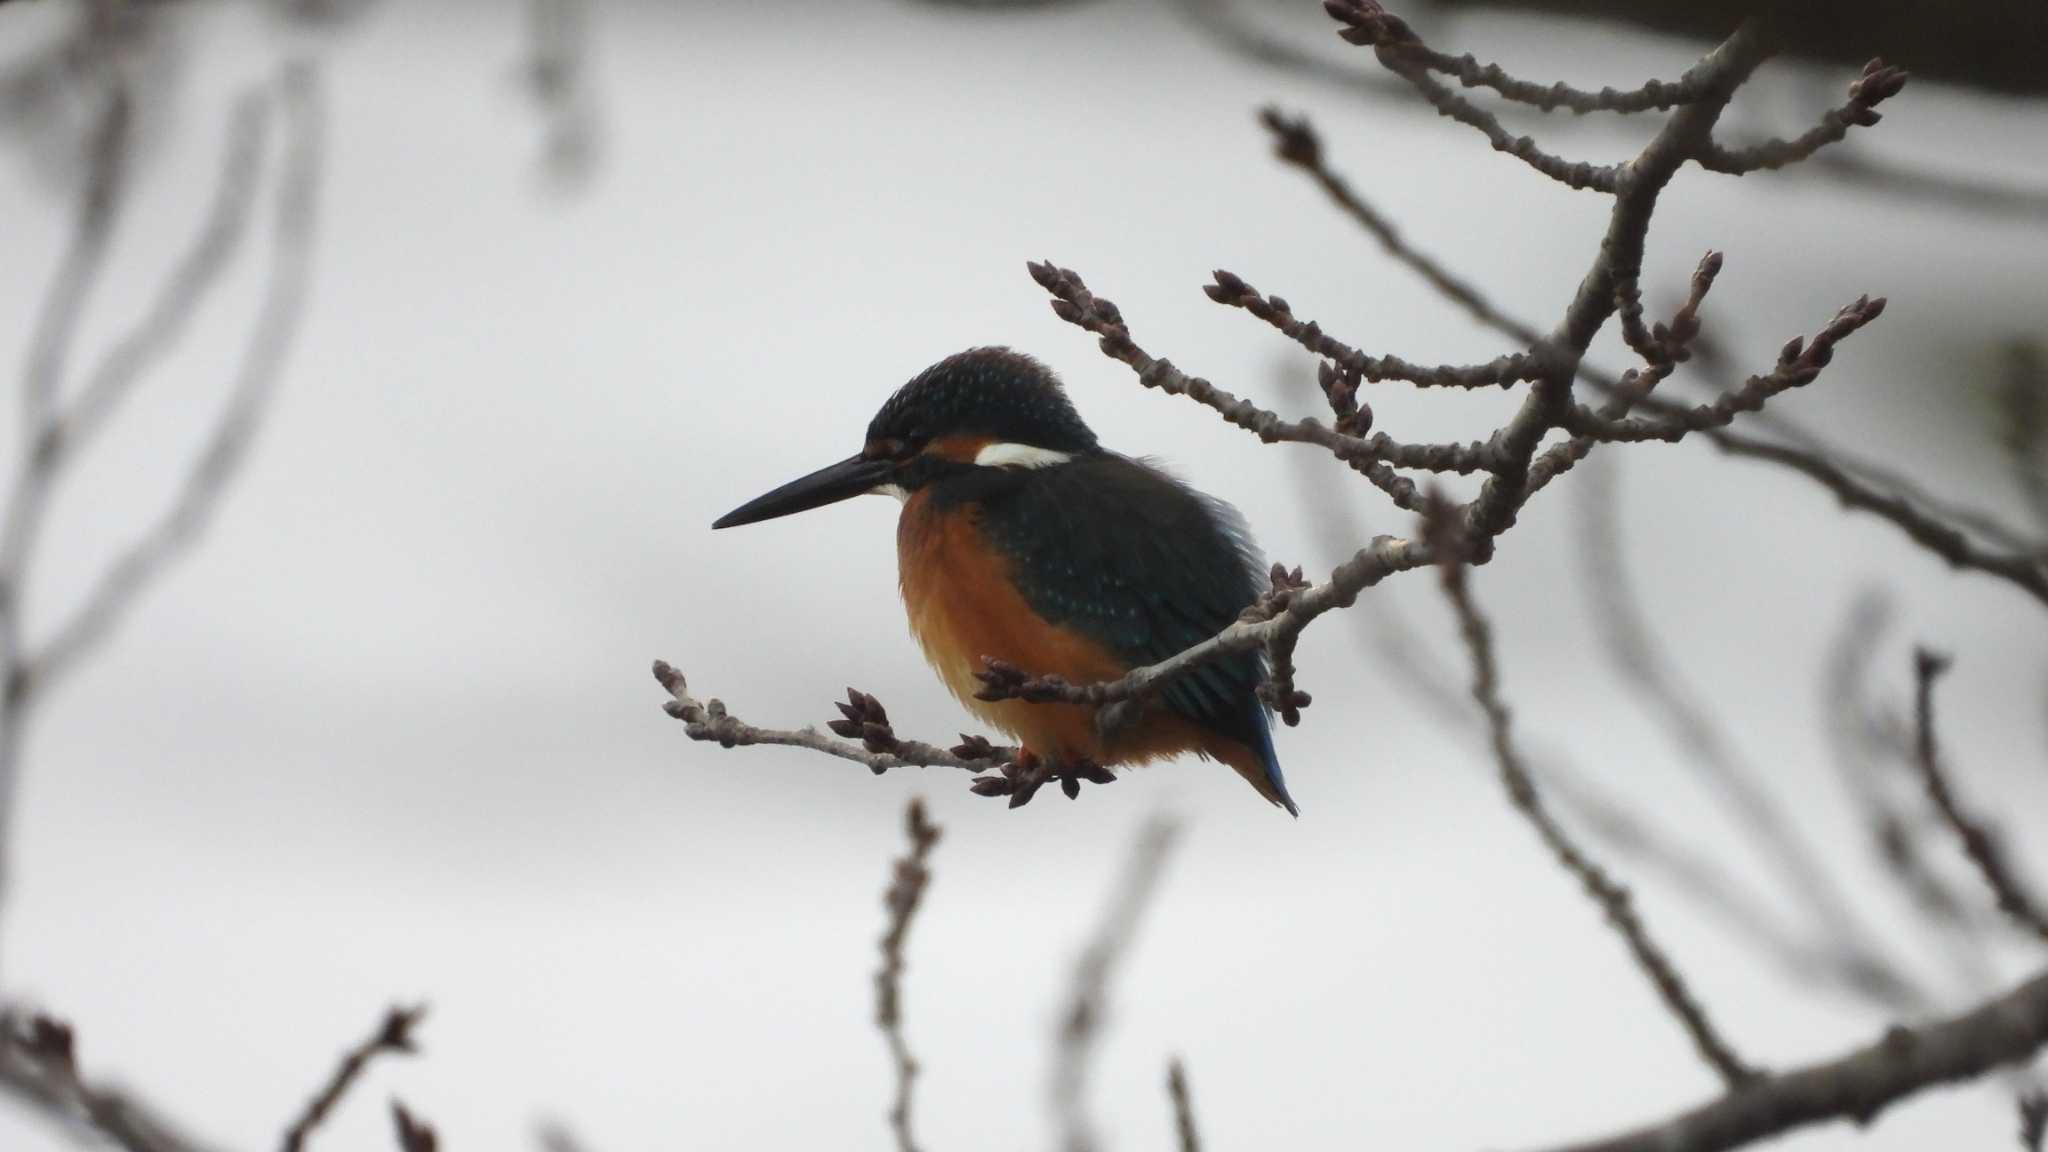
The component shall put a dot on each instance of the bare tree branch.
(555, 1136)
(393, 1036)
(1860, 485)
(1403, 53)
(1081, 1022)
(55, 430)
(39, 1068)
(1978, 842)
(1651, 95)
(414, 1134)
(1223, 23)
(1231, 289)
(908, 879)
(557, 74)
(1696, 875)
(1799, 363)
(189, 284)
(199, 496)
(1946, 187)
(1183, 1106)
(1875, 474)
(1614, 900)
(1861, 751)
(709, 721)
(1619, 258)
(1297, 144)
(1858, 1085)
(2023, 400)
(1664, 347)
(1826, 959)
(1877, 83)
(1644, 668)
(108, 153)
(1937, 536)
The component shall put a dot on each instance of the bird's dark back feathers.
(1126, 554)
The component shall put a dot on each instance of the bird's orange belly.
(964, 609)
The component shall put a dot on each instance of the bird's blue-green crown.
(993, 392)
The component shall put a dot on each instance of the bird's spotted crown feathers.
(991, 392)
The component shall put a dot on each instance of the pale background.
(390, 734)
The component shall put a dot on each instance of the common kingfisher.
(1024, 540)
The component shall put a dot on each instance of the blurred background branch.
(57, 426)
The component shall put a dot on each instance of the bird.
(1022, 539)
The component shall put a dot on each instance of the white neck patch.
(1006, 455)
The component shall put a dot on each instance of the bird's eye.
(897, 448)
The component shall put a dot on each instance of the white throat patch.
(1006, 455)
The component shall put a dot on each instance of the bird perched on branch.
(1023, 540)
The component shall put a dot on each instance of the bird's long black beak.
(828, 485)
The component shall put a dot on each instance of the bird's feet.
(1020, 779)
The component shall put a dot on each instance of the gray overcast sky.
(390, 734)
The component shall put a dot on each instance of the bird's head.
(983, 408)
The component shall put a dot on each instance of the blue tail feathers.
(1270, 760)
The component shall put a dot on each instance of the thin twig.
(1074, 303)
(1402, 52)
(191, 280)
(1614, 900)
(1651, 96)
(1081, 1022)
(39, 1069)
(1876, 83)
(709, 721)
(1863, 486)
(55, 431)
(1644, 667)
(1858, 1085)
(1860, 751)
(393, 1036)
(908, 879)
(1944, 539)
(557, 75)
(1799, 363)
(1367, 23)
(109, 151)
(1663, 346)
(1297, 144)
(1876, 474)
(2023, 401)
(556, 1136)
(1232, 290)
(1978, 843)
(205, 483)
(1220, 19)
(414, 1134)
(1620, 257)
(1183, 1106)
(1946, 187)
(50, 349)
(1656, 851)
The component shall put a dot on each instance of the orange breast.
(963, 608)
